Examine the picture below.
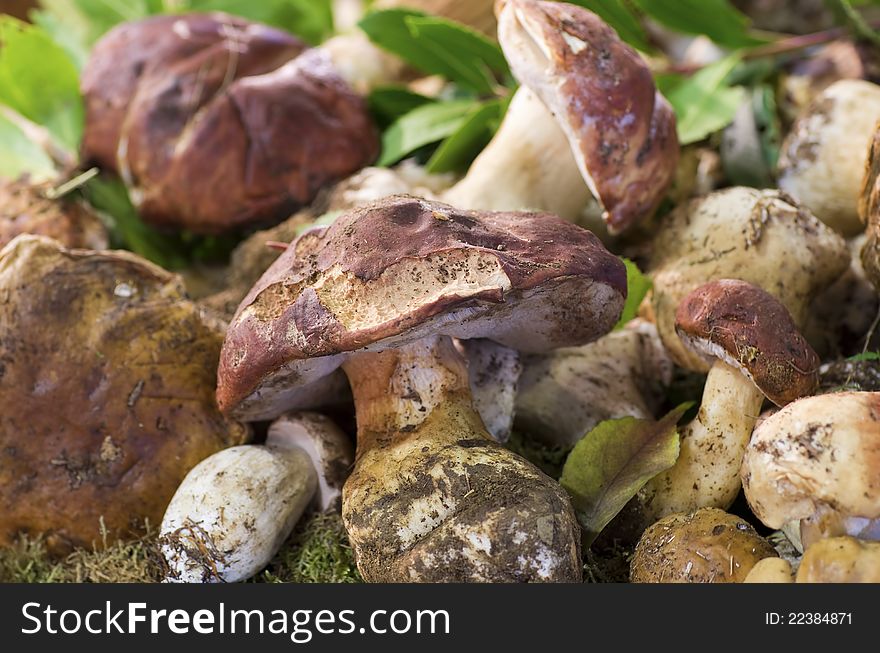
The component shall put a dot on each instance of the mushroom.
(562, 395)
(107, 376)
(757, 352)
(215, 123)
(823, 158)
(841, 560)
(235, 509)
(705, 546)
(25, 208)
(493, 375)
(587, 109)
(741, 233)
(869, 211)
(815, 462)
(770, 570)
(380, 292)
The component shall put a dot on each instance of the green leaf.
(637, 286)
(87, 20)
(613, 462)
(437, 46)
(128, 231)
(311, 20)
(621, 17)
(422, 126)
(462, 147)
(21, 156)
(705, 103)
(865, 356)
(389, 103)
(717, 19)
(40, 81)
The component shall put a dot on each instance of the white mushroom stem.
(494, 372)
(527, 165)
(361, 64)
(431, 496)
(713, 444)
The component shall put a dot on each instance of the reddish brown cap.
(234, 128)
(402, 269)
(621, 129)
(748, 328)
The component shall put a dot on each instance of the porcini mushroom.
(107, 375)
(563, 394)
(706, 546)
(234, 509)
(587, 109)
(740, 233)
(757, 353)
(380, 292)
(840, 560)
(822, 160)
(216, 123)
(815, 462)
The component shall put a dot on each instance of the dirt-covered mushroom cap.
(840, 560)
(25, 209)
(106, 392)
(749, 329)
(705, 546)
(229, 126)
(817, 460)
(402, 269)
(741, 233)
(620, 128)
(822, 161)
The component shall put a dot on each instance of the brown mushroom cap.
(621, 129)
(748, 328)
(706, 546)
(106, 392)
(229, 126)
(402, 269)
(25, 209)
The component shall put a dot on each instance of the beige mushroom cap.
(841, 560)
(816, 458)
(823, 158)
(761, 237)
(706, 546)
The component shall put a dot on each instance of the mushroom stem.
(713, 444)
(458, 506)
(511, 173)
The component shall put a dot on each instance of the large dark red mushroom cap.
(621, 129)
(747, 327)
(403, 269)
(220, 123)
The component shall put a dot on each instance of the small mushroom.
(26, 209)
(770, 570)
(840, 560)
(235, 509)
(815, 462)
(823, 158)
(706, 546)
(587, 109)
(381, 292)
(741, 233)
(107, 376)
(757, 352)
(216, 123)
(563, 394)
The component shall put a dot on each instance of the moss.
(317, 552)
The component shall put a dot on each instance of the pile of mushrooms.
(382, 364)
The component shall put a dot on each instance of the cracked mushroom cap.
(216, 123)
(402, 269)
(106, 392)
(741, 233)
(817, 459)
(621, 129)
(749, 329)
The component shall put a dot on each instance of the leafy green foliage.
(427, 124)
(613, 462)
(705, 102)
(717, 19)
(465, 143)
(20, 155)
(637, 286)
(437, 46)
(311, 20)
(619, 15)
(39, 81)
(865, 356)
(389, 103)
